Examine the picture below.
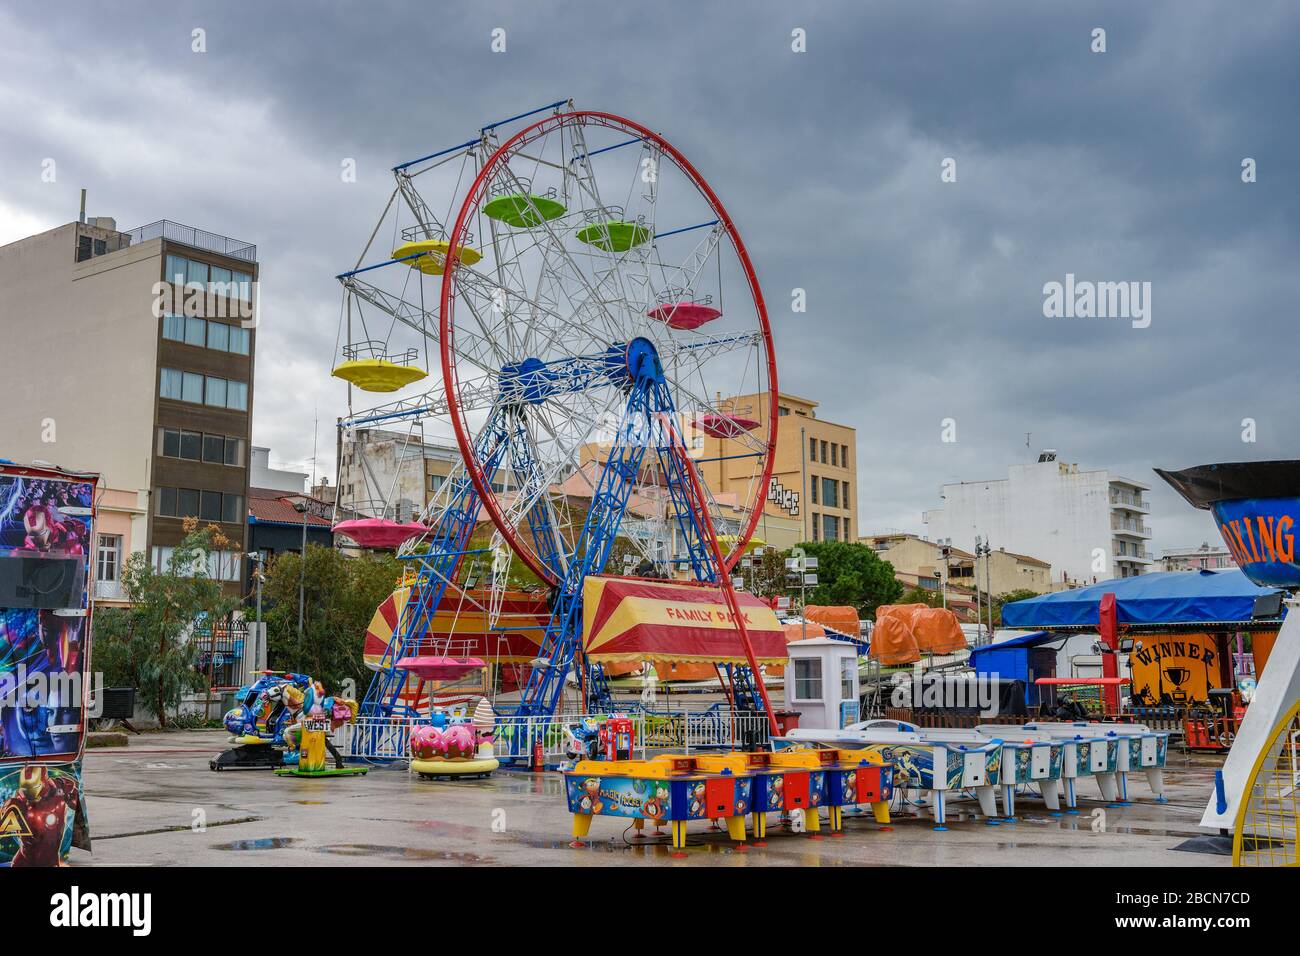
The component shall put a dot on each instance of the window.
(844, 455)
(216, 391)
(846, 504)
(830, 493)
(835, 455)
(218, 336)
(238, 396)
(187, 502)
(244, 286)
(108, 558)
(220, 280)
(170, 384)
(167, 502)
(812, 449)
(210, 505)
(816, 527)
(238, 340)
(830, 527)
(174, 327)
(195, 331)
(807, 679)
(196, 271)
(191, 443)
(823, 453)
(232, 507)
(848, 671)
(235, 452)
(814, 483)
(782, 411)
(176, 269)
(214, 449)
(192, 387)
(435, 481)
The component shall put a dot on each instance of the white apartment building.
(1090, 525)
(262, 475)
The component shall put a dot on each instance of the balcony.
(1133, 555)
(198, 238)
(1126, 499)
(109, 591)
(1131, 527)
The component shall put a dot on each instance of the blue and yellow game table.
(668, 789)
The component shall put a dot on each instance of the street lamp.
(301, 508)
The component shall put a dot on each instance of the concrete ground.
(156, 803)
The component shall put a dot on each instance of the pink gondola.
(684, 315)
(429, 667)
(717, 425)
(379, 532)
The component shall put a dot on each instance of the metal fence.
(388, 738)
(192, 236)
(219, 652)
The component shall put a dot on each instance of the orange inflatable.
(892, 641)
(794, 632)
(937, 631)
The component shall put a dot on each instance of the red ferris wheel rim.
(446, 332)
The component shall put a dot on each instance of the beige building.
(922, 562)
(136, 361)
(1210, 557)
(812, 493)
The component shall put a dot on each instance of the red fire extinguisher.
(539, 760)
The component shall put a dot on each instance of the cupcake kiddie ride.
(454, 744)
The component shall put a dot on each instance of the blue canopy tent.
(1164, 599)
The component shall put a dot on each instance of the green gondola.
(523, 211)
(614, 235)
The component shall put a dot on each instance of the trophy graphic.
(1178, 676)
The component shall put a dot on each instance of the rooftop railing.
(193, 236)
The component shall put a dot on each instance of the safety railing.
(517, 737)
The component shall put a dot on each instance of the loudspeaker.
(42, 582)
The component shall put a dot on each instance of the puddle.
(403, 853)
(266, 843)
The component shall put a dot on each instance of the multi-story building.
(1090, 525)
(924, 563)
(390, 473)
(1208, 557)
(136, 361)
(812, 495)
(262, 475)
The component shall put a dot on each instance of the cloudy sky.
(925, 298)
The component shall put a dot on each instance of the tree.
(340, 597)
(921, 596)
(146, 645)
(1019, 594)
(851, 573)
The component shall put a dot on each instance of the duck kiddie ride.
(578, 340)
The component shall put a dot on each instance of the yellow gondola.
(369, 367)
(434, 255)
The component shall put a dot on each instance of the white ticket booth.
(821, 682)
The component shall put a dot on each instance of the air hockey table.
(1139, 748)
(919, 763)
(1024, 762)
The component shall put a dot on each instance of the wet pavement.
(157, 803)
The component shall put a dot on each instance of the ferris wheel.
(606, 368)
(601, 246)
